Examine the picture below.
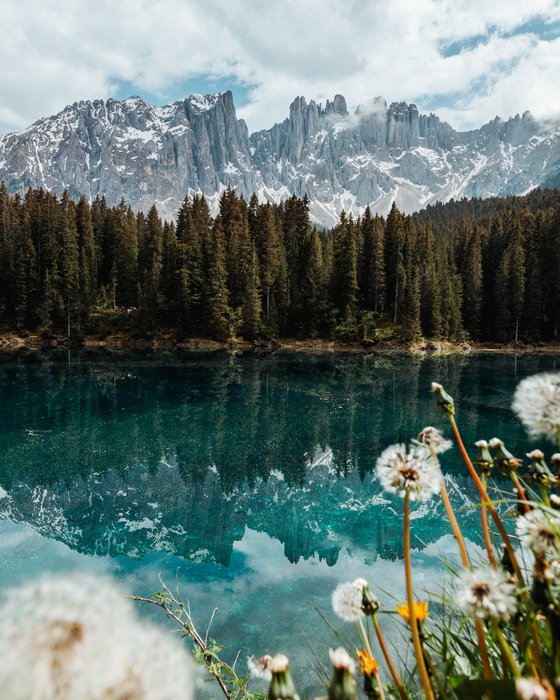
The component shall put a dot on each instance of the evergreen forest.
(480, 270)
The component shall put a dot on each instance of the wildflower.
(539, 531)
(555, 501)
(537, 404)
(433, 440)
(503, 457)
(343, 685)
(486, 594)
(281, 686)
(538, 470)
(347, 602)
(260, 668)
(84, 641)
(443, 400)
(552, 573)
(340, 658)
(534, 689)
(368, 665)
(370, 602)
(420, 611)
(484, 459)
(411, 472)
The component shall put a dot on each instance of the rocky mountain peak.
(378, 155)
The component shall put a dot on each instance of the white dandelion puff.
(433, 439)
(539, 531)
(82, 640)
(537, 404)
(533, 689)
(360, 583)
(347, 602)
(554, 501)
(278, 663)
(486, 594)
(552, 573)
(260, 668)
(340, 658)
(413, 472)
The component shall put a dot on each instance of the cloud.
(467, 60)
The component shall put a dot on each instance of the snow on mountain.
(377, 155)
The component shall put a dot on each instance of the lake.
(245, 480)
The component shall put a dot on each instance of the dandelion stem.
(512, 663)
(380, 686)
(413, 621)
(520, 491)
(486, 500)
(391, 667)
(364, 636)
(486, 670)
(486, 530)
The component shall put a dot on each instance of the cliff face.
(377, 155)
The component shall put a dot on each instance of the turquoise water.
(245, 480)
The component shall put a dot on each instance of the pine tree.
(150, 262)
(69, 266)
(394, 262)
(218, 311)
(251, 308)
(472, 282)
(372, 268)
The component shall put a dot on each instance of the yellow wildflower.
(368, 665)
(420, 611)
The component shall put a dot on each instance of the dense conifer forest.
(484, 270)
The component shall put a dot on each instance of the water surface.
(245, 480)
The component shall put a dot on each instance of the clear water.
(247, 481)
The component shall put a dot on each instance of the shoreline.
(14, 342)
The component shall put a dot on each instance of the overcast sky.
(468, 60)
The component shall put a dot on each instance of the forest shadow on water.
(249, 476)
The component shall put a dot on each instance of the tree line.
(467, 270)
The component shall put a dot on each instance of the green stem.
(417, 644)
(486, 500)
(512, 663)
(392, 669)
(365, 637)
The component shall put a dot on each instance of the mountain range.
(377, 155)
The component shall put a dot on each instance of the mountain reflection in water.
(232, 463)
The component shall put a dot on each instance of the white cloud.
(56, 53)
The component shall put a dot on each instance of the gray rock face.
(375, 156)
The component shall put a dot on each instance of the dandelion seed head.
(534, 689)
(260, 668)
(481, 443)
(340, 658)
(360, 583)
(486, 594)
(535, 454)
(539, 531)
(552, 572)
(84, 641)
(278, 663)
(413, 472)
(347, 602)
(495, 442)
(537, 404)
(555, 501)
(433, 439)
